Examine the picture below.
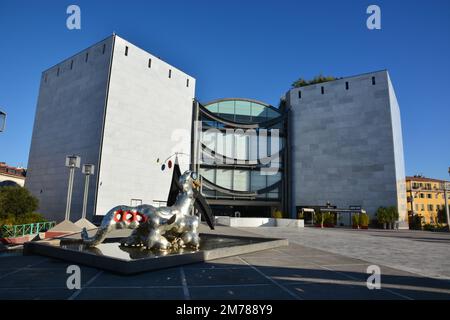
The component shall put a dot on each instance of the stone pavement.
(422, 252)
(293, 272)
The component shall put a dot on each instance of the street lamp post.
(447, 188)
(72, 162)
(87, 170)
(2, 120)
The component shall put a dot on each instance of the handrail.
(233, 124)
(255, 193)
(21, 230)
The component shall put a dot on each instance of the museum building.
(337, 143)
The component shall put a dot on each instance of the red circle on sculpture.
(170, 164)
(118, 215)
(143, 217)
(130, 219)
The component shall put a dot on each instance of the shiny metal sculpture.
(160, 228)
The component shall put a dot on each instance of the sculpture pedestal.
(111, 256)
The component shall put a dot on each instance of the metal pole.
(85, 198)
(446, 206)
(69, 193)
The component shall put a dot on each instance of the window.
(126, 50)
(87, 56)
(45, 78)
(187, 82)
(57, 72)
(430, 207)
(322, 90)
(170, 73)
(346, 85)
(149, 63)
(104, 48)
(299, 94)
(422, 195)
(429, 196)
(373, 80)
(135, 202)
(422, 207)
(71, 65)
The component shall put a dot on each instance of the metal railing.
(20, 230)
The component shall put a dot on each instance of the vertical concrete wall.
(148, 117)
(346, 144)
(398, 155)
(68, 120)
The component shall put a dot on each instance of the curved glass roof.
(243, 110)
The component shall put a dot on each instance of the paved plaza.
(317, 264)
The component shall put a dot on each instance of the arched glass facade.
(240, 155)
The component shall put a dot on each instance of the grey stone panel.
(343, 148)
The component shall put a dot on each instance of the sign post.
(446, 190)
(72, 162)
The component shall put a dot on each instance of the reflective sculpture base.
(112, 256)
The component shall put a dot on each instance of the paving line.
(356, 279)
(187, 296)
(24, 268)
(292, 294)
(384, 263)
(347, 264)
(148, 287)
(219, 268)
(76, 293)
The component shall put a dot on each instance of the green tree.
(382, 216)
(364, 220)
(356, 220)
(16, 203)
(317, 79)
(393, 214)
(442, 215)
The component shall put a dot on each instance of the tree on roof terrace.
(317, 79)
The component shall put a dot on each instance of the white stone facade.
(120, 111)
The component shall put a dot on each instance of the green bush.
(416, 222)
(17, 206)
(382, 215)
(318, 218)
(32, 217)
(325, 218)
(442, 216)
(317, 79)
(328, 218)
(363, 220)
(392, 214)
(355, 220)
(278, 214)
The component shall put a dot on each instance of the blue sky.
(253, 49)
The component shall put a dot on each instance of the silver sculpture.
(160, 228)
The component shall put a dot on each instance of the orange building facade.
(425, 196)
